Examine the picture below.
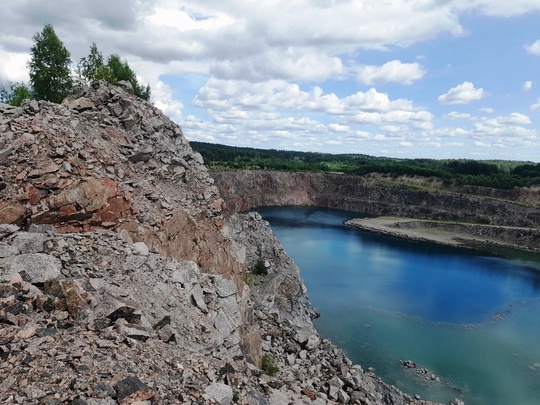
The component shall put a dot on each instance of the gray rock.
(34, 267)
(198, 298)
(221, 393)
(8, 229)
(343, 397)
(81, 104)
(133, 331)
(29, 242)
(312, 342)
(225, 287)
(7, 251)
(126, 85)
(140, 248)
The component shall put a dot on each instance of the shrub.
(260, 267)
(268, 365)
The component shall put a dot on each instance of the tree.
(122, 71)
(15, 94)
(50, 74)
(92, 67)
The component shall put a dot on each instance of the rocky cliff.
(517, 207)
(123, 280)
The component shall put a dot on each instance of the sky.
(399, 78)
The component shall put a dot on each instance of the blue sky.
(401, 78)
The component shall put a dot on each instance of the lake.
(470, 318)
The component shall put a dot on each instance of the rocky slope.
(517, 207)
(123, 281)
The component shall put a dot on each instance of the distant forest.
(488, 173)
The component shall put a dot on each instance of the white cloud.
(462, 94)
(454, 115)
(163, 99)
(534, 48)
(515, 118)
(393, 71)
(262, 73)
(509, 126)
(13, 66)
(338, 128)
(498, 8)
(527, 86)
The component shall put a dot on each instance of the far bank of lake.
(469, 318)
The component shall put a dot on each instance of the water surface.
(472, 319)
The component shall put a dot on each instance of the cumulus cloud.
(498, 8)
(165, 102)
(281, 95)
(534, 48)
(13, 66)
(261, 73)
(462, 94)
(509, 126)
(527, 86)
(393, 71)
(454, 115)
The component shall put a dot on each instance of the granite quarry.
(125, 279)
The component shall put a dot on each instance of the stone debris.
(123, 282)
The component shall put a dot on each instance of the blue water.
(470, 318)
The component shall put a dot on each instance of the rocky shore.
(123, 279)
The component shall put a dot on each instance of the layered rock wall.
(244, 190)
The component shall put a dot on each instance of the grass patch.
(268, 365)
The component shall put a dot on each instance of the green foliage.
(268, 365)
(122, 71)
(93, 67)
(260, 268)
(496, 174)
(15, 94)
(50, 74)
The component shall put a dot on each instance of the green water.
(472, 319)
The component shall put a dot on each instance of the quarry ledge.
(451, 233)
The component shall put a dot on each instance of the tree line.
(52, 75)
(495, 173)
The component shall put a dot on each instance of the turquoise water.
(472, 319)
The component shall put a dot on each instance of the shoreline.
(459, 234)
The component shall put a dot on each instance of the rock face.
(517, 207)
(122, 281)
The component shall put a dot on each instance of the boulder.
(221, 393)
(35, 268)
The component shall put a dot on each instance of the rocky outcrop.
(122, 281)
(353, 193)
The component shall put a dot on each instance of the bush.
(15, 93)
(260, 268)
(268, 365)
